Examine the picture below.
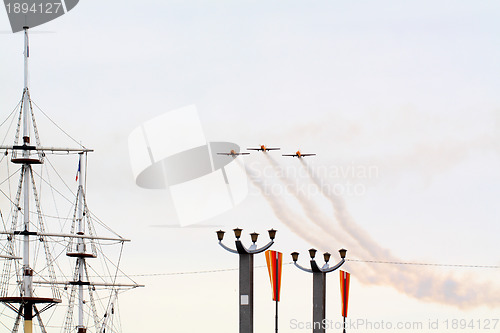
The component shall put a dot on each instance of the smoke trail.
(328, 228)
(420, 283)
(300, 226)
(314, 213)
(296, 223)
(346, 221)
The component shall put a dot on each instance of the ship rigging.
(59, 271)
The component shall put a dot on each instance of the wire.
(289, 263)
(14, 110)
(7, 197)
(53, 122)
(200, 272)
(421, 264)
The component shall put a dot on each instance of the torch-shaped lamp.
(319, 284)
(246, 273)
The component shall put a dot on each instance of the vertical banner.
(345, 279)
(274, 265)
(344, 290)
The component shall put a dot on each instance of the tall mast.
(81, 245)
(27, 271)
(81, 278)
(26, 301)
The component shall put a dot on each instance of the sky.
(399, 100)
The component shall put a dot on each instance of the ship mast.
(26, 303)
(81, 255)
(81, 249)
(27, 271)
(25, 300)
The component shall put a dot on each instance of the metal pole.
(246, 274)
(319, 301)
(276, 292)
(27, 272)
(81, 245)
(246, 293)
(319, 285)
(276, 324)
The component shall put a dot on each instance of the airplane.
(263, 148)
(233, 153)
(298, 154)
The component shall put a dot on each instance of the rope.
(12, 112)
(55, 124)
(421, 264)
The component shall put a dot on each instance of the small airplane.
(298, 154)
(263, 148)
(233, 153)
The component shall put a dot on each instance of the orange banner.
(274, 265)
(344, 290)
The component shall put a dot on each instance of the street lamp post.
(246, 273)
(319, 285)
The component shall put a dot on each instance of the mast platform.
(32, 300)
(26, 161)
(80, 255)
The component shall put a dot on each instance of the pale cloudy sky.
(410, 88)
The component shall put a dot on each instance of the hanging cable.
(421, 264)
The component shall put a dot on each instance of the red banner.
(344, 290)
(274, 265)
